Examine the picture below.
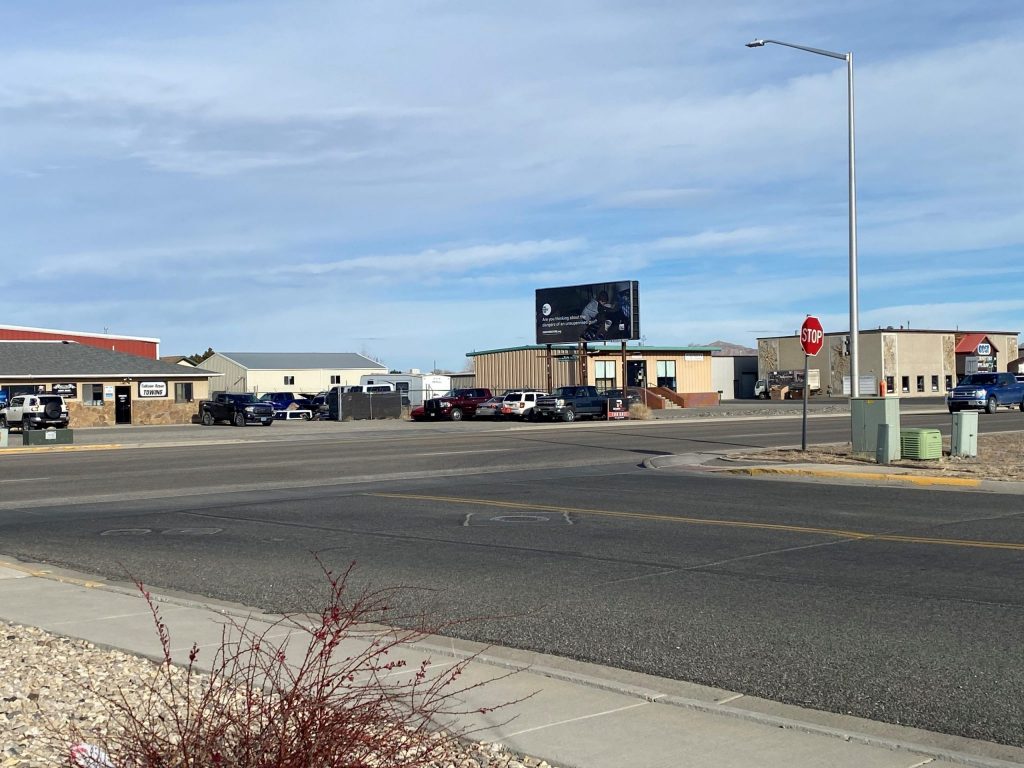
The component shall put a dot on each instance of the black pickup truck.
(570, 403)
(240, 408)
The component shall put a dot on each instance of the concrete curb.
(61, 448)
(961, 482)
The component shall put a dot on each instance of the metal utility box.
(868, 413)
(963, 439)
(921, 443)
(888, 449)
(48, 437)
(3, 438)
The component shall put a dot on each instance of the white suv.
(519, 403)
(34, 412)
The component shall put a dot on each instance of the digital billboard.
(592, 312)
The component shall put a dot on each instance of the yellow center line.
(855, 535)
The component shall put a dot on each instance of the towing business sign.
(591, 312)
(152, 389)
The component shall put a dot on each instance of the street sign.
(811, 335)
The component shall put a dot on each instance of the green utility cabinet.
(48, 437)
(868, 414)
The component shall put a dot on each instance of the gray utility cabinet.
(963, 440)
(868, 414)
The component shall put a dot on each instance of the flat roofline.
(591, 347)
(73, 333)
(864, 331)
(108, 376)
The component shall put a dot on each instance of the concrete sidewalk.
(582, 715)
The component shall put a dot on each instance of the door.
(636, 373)
(123, 405)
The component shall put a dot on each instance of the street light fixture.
(854, 313)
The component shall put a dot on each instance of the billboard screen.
(592, 312)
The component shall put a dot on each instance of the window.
(920, 383)
(905, 383)
(604, 374)
(94, 394)
(949, 381)
(183, 392)
(935, 383)
(335, 379)
(667, 374)
(890, 383)
(289, 380)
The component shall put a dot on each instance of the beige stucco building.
(912, 363)
(685, 371)
(103, 387)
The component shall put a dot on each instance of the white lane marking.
(25, 479)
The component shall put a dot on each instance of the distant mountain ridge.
(728, 349)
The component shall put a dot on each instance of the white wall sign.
(108, 391)
(152, 389)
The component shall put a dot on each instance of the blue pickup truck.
(570, 403)
(986, 391)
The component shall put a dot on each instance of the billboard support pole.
(581, 367)
(547, 367)
(625, 391)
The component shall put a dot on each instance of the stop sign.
(811, 335)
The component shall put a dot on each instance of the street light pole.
(854, 311)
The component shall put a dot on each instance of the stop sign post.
(812, 337)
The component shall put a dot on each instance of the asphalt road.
(901, 605)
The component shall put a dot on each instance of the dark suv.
(34, 412)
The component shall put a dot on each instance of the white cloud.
(475, 152)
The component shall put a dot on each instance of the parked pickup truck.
(240, 408)
(570, 403)
(986, 390)
(455, 405)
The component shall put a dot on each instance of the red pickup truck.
(456, 405)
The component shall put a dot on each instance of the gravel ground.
(51, 684)
(1000, 457)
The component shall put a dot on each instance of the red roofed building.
(131, 345)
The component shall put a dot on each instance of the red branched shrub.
(325, 691)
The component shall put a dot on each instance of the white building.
(309, 372)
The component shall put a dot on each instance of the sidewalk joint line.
(576, 719)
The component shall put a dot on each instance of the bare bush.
(344, 699)
(639, 411)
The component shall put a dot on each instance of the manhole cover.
(555, 518)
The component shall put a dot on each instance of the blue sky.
(397, 178)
